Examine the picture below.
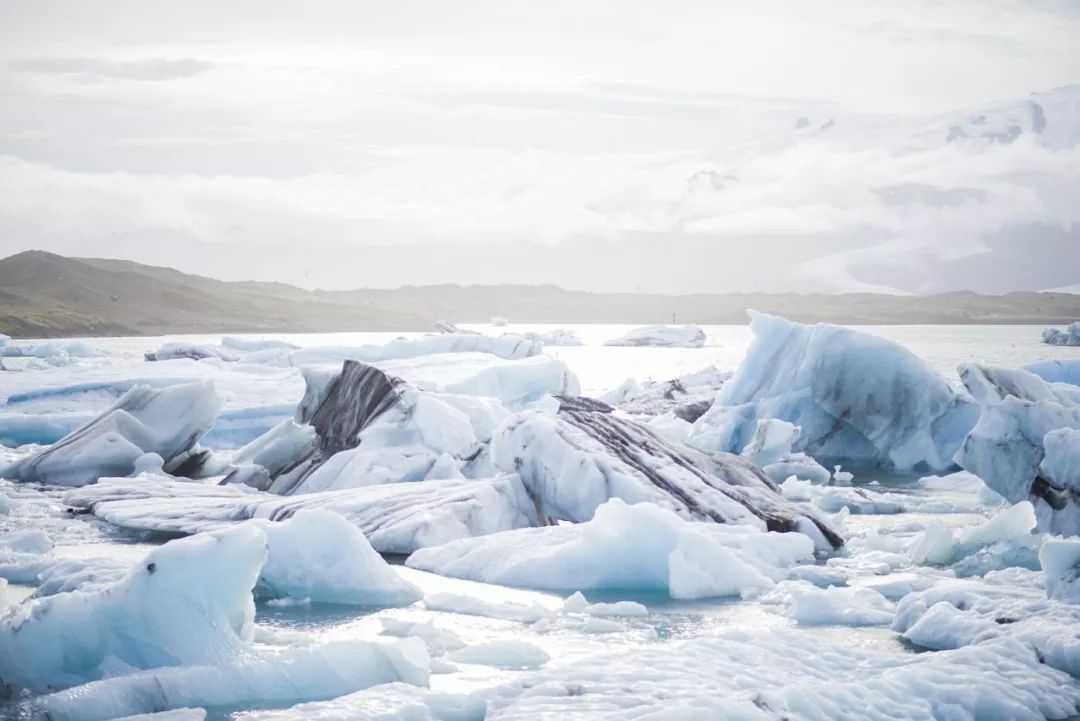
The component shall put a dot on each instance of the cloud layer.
(710, 149)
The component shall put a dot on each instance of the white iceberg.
(940, 545)
(576, 460)
(510, 653)
(554, 337)
(686, 397)
(662, 336)
(176, 631)
(1057, 371)
(859, 399)
(167, 422)
(319, 556)
(188, 602)
(1060, 561)
(506, 346)
(834, 605)
(370, 428)
(1023, 444)
(625, 546)
(1069, 336)
(192, 351)
(771, 449)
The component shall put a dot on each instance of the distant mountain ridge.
(48, 295)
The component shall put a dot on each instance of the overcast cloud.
(676, 146)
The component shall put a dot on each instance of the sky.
(905, 146)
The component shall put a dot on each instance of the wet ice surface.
(515, 627)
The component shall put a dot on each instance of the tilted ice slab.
(686, 397)
(764, 675)
(395, 518)
(859, 399)
(574, 461)
(167, 422)
(1023, 445)
(663, 336)
(506, 346)
(1069, 336)
(624, 546)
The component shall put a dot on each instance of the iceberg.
(1060, 561)
(168, 422)
(1023, 445)
(771, 449)
(833, 605)
(505, 346)
(1069, 336)
(373, 428)
(177, 630)
(640, 546)
(554, 337)
(686, 397)
(318, 555)
(858, 399)
(192, 351)
(507, 653)
(941, 546)
(662, 336)
(514, 382)
(1057, 371)
(188, 602)
(574, 461)
(395, 517)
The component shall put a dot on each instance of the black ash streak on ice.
(645, 451)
